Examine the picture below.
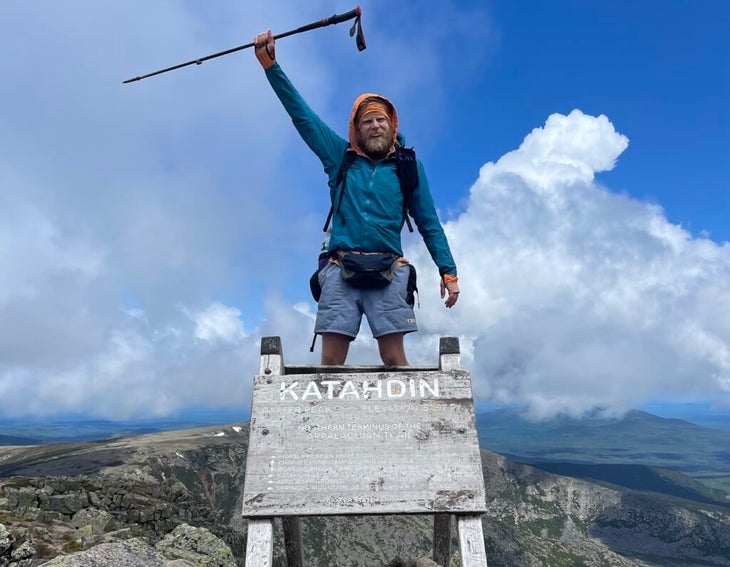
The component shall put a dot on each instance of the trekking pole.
(336, 19)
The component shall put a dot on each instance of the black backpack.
(406, 168)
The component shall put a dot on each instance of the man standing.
(367, 218)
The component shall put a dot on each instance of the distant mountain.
(7, 440)
(698, 412)
(73, 428)
(642, 478)
(64, 498)
(638, 438)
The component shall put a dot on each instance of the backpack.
(406, 168)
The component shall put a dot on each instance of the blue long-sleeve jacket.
(370, 217)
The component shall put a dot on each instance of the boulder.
(196, 545)
(25, 550)
(131, 553)
(6, 540)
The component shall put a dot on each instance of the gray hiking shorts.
(342, 306)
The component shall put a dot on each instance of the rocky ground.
(173, 499)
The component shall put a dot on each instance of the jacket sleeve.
(321, 139)
(423, 211)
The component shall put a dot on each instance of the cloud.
(142, 368)
(575, 297)
(219, 323)
(152, 233)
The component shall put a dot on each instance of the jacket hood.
(353, 134)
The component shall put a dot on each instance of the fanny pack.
(367, 271)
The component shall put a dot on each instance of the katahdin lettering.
(365, 389)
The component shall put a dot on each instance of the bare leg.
(392, 351)
(334, 348)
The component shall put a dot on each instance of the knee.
(392, 351)
(394, 359)
(332, 359)
(334, 349)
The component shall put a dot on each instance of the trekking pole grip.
(339, 18)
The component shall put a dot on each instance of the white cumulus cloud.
(219, 322)
(575, 297)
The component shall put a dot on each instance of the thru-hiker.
(366, 272)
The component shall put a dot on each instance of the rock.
(178, 491)
(21, 497)
(414, 562)
(84, 536)
(26, 550)
(97, 519)
(67, 504)
(196, 545)
(186, 546)
(132, 553)
(118, 535)
(6, 540)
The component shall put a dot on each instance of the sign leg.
(442, 539)
(471, 541)
(260, 544)
(293, 541)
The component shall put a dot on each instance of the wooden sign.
(363, 443)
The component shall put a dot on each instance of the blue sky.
(151, 233)
(658, 70)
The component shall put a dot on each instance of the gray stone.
(414, 562)
(67, 504)
(97, 519)
(196, 545)
(118, 535)
(132, 553)
(84, 536)
(24, 497)
(6, 540)
(26, 550)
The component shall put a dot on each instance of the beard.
(379, 146)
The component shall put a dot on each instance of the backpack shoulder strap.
(347, 160)
(406, 168)
(341, 179)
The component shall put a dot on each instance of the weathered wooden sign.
(363, 443)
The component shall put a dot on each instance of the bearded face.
(376, 135)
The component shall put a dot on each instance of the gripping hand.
(450, 284)
(264, 48)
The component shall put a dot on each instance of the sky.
(151, 233)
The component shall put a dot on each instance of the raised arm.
(321, 139)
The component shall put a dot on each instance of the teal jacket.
(371, 212)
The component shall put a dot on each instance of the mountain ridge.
(148, 485)
(639, 438)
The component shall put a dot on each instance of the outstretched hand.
(450, 284)
(264, 48)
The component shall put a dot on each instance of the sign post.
(364, 440)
